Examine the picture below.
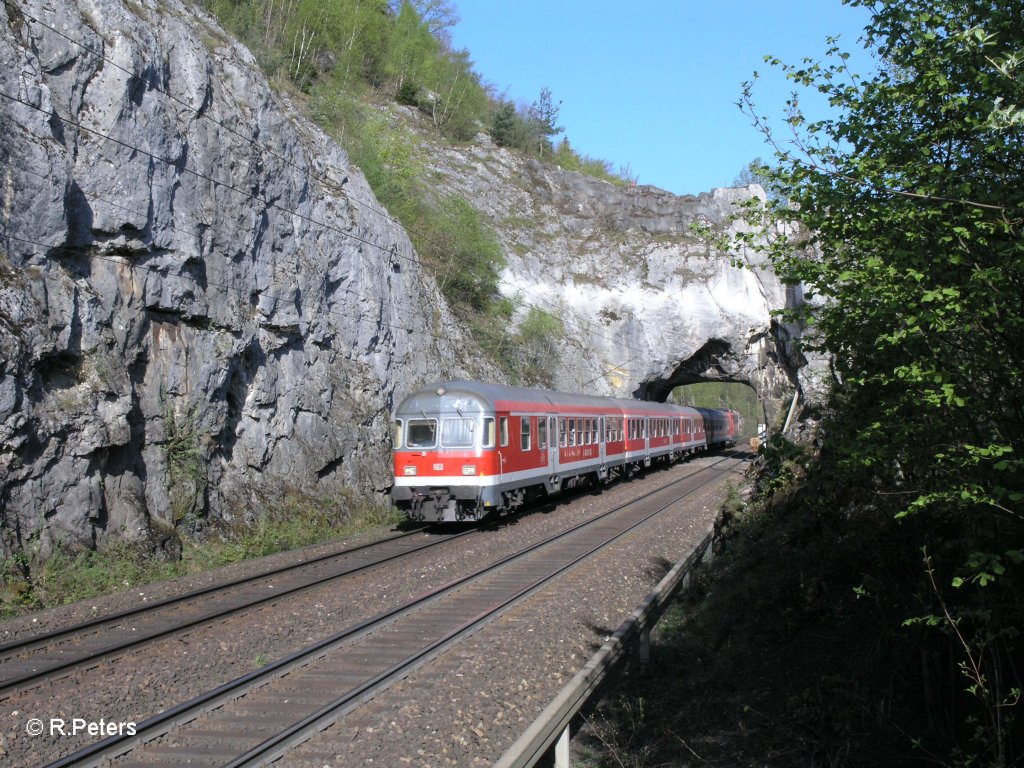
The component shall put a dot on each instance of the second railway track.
(51, 654)
(259, 716)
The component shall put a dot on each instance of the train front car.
(444, 440)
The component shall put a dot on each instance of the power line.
(307, 171)
(79, 252)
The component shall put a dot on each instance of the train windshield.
(422, 433)
(457, 433)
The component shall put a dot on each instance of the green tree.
(508, 128)
(904, 219)
(543, 120)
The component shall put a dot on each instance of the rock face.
(646, 304)
(203, 306)
(201, 302)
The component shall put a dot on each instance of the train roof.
(498, 397)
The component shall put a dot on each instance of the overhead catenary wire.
(268, 203)
(122, 262)
(308, 171)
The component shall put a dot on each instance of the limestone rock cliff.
(201, 301)
(203, 306)
(646, 304)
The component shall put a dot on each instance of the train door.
(552, 444)
(601, 440)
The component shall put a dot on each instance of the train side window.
(542, 432)
(488, 435)
(587, 425)
(524, 434)
(595, 432)
(561, 432)
(503, 430)
(572, 432)
(398, 434)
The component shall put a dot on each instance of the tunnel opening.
(734, 395)
(753, 380)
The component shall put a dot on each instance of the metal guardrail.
(553, 723)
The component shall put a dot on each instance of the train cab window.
(397, 439)
(487, 438)
(457, 433)
(542, 432)
(561, 433)
(503, 430)
(421, 433)
(524, 434)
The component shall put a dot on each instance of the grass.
(295, 520)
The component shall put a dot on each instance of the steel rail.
(42, 641)
(272, 749)
(555, 719)
(163, 722)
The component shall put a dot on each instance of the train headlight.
(409, 470)
(469, 469)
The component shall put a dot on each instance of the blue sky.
(653, 83)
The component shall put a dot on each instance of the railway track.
(47, 656)
(257, 718)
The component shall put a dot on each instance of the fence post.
(562, 749)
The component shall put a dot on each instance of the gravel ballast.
(527, 667)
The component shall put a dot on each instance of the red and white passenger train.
(465, 449)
